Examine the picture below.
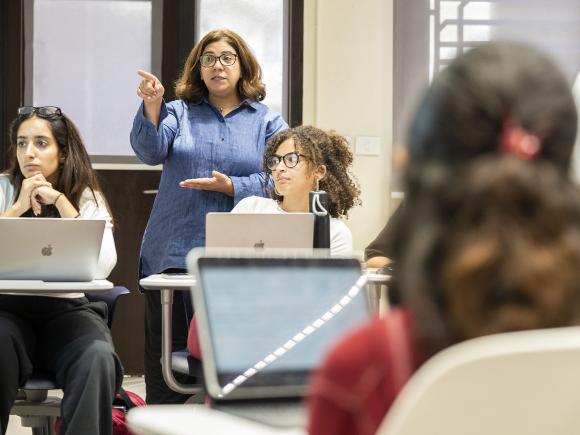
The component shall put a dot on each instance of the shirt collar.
(247, 102)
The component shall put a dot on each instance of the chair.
(33, 405)
(513, 383)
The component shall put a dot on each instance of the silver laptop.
(50, 249)
(265, 325)
(259, 230)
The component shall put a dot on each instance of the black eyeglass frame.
(216, 58)
(46, 111)
(277, 159)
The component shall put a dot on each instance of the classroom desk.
(196, 419)
(377, 285)
(37, 286)
(166, 286)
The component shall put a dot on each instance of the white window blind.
(83, 57)
(428, 34)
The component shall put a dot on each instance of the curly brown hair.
(190, 87)
(326, 148)
(486, 242)
(498, 251)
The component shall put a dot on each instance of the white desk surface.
(196, 420)
(160, 281)
(15, 286)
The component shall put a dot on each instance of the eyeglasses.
(41, 111)
(208, 60)
(290, 160)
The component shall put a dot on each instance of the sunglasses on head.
(40, 111)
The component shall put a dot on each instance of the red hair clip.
(518, 142)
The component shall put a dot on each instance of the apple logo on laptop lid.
(46, 251)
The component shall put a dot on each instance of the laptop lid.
(50, 249)
(266, 323)
(259, 230)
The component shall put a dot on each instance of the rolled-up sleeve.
(152, 144)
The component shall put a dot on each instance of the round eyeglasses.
(40, 111)
(208, 60)
(290, 160)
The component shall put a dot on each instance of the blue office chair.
(33, 405)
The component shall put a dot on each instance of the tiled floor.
(130, 383)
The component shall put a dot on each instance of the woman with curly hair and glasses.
(298, 161)
(50, 175)
(303, 159)
(210, 141)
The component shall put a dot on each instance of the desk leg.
(166, 343)
(373, 296)
(383, 300)
(379, 297)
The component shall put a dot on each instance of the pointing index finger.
(147, 76)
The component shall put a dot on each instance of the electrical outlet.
(368, 146)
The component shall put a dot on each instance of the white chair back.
(514, 383)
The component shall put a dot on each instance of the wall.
(348, 79)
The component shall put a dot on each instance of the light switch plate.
(368, 146)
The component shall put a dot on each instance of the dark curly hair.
(326, 148)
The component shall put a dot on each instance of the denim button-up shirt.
(192, 140)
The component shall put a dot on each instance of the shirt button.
(222, 139)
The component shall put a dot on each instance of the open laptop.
(266, 323)
(50, 249)
(259, 230)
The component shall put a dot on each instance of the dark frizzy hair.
(322, 148)
(190, 87)
(75, 172)
(489, 243)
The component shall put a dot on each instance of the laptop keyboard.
(276, 413)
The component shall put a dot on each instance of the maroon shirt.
(360, 377)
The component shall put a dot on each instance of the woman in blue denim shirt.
(211, 142)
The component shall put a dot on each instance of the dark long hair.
(489, 242)
(75, 173)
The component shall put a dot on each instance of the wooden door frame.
(11, 68)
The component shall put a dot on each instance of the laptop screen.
(271, 320)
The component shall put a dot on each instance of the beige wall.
(348, 87)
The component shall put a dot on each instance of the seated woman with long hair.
(50, 175)
(489, 238)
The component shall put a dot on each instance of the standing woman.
(211, 141)
(49, 175)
